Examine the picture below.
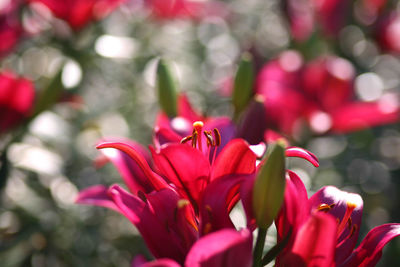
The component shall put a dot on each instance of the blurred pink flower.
(16, 100)
(78, 13)
(323, 230)
(10, 26)
(306, 15)
(388, 32)
(319, 93)
(169, 9)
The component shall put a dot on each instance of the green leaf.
(269, 187)
(167, 93)
(243, 86)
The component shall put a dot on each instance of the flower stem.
(259, 248)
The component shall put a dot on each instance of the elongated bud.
(166, 89)
(269, 187)
(243, 85)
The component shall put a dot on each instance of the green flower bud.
(269, 187)
(243, 86)
(167, 96)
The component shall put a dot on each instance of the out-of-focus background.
(96, 79)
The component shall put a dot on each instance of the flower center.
(212, 138)
(345, 222)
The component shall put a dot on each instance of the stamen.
(350, 207)
(325, 207)
(198, 128)
(209, 138)
(217, 136)
(194, 139)
(186, 139)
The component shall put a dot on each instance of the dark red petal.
(154, 229)
(156, 181)
(235, 158)
(302, 153)
(187, 168)
(96, 195)
(218, 199)
(369, 251)
(223, 248)
(314, 243)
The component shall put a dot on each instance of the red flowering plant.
(183, 194)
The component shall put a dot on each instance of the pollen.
(198, 125)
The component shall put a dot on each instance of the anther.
(186, 139)
(217, 136)
(325, 207)
(209, 138)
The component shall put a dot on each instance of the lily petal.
(235, 158)
(154, 229)
(156, 181)
(187, 168)
(218, 199)
(369, 251)
(302, 153)
(131, 173)
(226, 247)
(315, 243)
(96, 195)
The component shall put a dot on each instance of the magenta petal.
(362, 115)
(187, 168)
(302, 153)
(223, 248)
(156, 181)
(314, 244)
(132, 174)
(369, 251)
(98, 196)
(218, 199)
(331, 195)
(164, 136)
(154, 229)
(235, 158)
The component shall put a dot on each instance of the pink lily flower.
(78, 13)
(16, 100)
(186, 191)
(170, 9)
(169, 202)
(320, 93)
(323, 230)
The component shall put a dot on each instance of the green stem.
(259, 248)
